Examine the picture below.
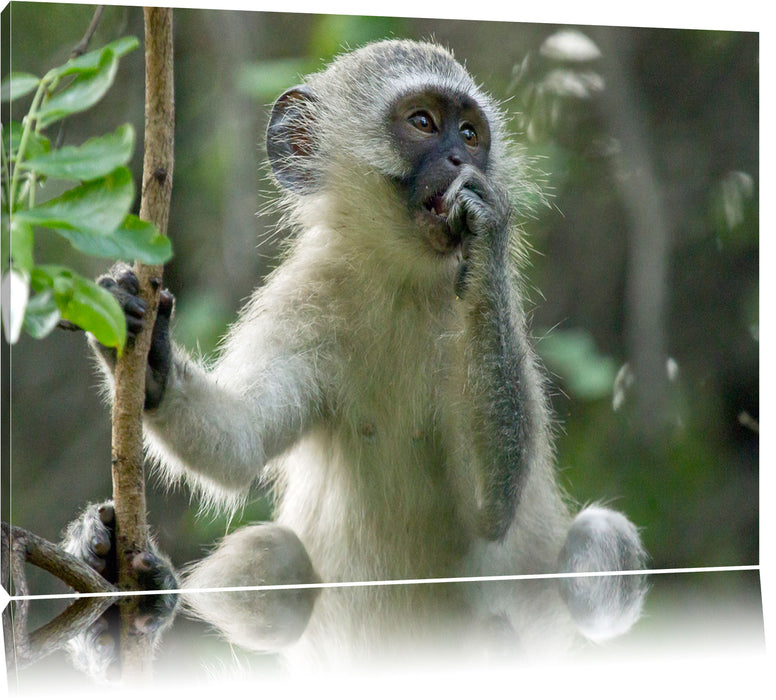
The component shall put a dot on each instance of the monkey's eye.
(422, 121)
(469, 135)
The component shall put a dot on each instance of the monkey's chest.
(387, 404)
(386, 431)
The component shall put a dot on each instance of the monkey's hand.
(123, 284)
(479, 215)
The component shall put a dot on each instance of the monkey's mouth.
(439, 234)
(437, 207)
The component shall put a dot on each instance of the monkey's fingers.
(465, 196)
(154, 573)
(107, 514)
(124, 287)
(126, 278)
(166, 303)
(462, 218)
(479, 211)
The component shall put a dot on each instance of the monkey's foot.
(603, 540)
(92, 538)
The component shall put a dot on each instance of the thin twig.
(19, 547)
(54, 635)
(80, 48)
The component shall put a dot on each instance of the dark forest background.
(647, 144)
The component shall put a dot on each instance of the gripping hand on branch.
(122, 282)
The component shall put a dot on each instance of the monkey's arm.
(503, 420)
(218, 426)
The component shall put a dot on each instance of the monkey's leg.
(255, 556)
(92, 538)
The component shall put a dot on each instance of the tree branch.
(54, 635)
(127, 435)
(20, 546)
(25, 546)
(129, 397)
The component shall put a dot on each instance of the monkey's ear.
(290, 141)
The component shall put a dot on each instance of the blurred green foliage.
(586, 373)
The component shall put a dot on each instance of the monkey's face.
(371, 145)
(436, 134)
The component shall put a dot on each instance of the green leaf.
(84, 92)
(36, 144)
(42, 314)
(41, 279)
(97, 207)
(21, 245)
(16, 85)
(91, 61)
(142, 241)
(96, 158)
(135, 239)
(83, 303)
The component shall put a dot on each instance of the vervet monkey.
(382, 382)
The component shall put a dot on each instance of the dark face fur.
(437, 134)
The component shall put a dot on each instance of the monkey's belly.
(371, 509)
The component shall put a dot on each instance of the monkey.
(382, 383)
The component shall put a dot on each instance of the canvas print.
(332, 341)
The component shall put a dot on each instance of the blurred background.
(643, 271)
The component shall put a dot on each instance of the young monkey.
(382, 381)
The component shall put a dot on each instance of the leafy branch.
(93, 215)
